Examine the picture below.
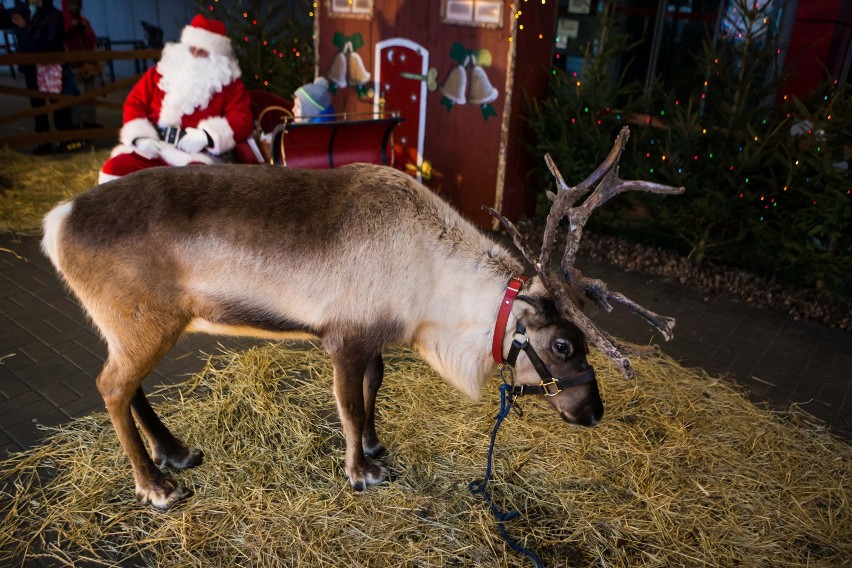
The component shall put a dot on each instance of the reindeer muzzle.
(549, 385)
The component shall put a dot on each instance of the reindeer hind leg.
(131, 358)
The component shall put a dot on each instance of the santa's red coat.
(227, 117)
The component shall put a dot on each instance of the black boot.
(43, 149)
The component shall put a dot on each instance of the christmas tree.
(272, 41)
(757, 196)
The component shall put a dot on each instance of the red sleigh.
(348, 138)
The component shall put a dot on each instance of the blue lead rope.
(479, 487)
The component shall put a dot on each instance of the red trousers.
(123, 164)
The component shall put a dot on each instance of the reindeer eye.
(563, 348)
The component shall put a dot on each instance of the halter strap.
(549, 385)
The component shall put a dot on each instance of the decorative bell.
(455, 85)
(481, 90)
(358, 74)
(337, 71)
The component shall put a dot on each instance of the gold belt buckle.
(552, 383)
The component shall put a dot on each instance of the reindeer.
(358, 257)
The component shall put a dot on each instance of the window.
(487, 13)
(355, 8)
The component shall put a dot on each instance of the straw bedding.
(683, 471)
(31, 185)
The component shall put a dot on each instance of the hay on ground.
(683, 471)
(31, 185)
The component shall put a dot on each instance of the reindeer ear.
(531, 310)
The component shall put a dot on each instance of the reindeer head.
(554, 314)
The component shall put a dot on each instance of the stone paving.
(50, 356)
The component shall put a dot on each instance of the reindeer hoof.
(372, 474)
(164, 496)
(185, 458)
(374, 451)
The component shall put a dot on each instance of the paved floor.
(49, 355)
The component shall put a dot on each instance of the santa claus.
(190, 108)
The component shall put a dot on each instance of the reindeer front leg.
(349, 378)
(373, 378)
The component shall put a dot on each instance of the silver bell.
(337, 71)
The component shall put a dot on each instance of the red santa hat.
(208, 35)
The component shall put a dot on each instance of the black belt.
(171, 135)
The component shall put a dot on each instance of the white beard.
(190, 82)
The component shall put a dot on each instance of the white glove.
(194, 141)
(147, 147)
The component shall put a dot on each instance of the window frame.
(363, 14)
(474, 9)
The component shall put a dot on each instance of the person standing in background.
(39, 27)
(79, 36)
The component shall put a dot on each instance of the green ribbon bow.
(339, 40)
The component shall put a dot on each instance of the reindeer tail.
(53, 223)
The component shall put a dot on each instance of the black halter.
(549, 385)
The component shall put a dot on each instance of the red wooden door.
(401, 67)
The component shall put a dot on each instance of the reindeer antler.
(565, 281)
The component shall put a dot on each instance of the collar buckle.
(546, 387)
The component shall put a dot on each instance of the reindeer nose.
(586, 417)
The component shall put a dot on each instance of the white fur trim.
(121, 149)
(208, 41)
(176, 157)
(221, 132)
(103, 178)
(137, 128)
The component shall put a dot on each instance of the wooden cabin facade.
(457, 72)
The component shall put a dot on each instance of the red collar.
(512, 288)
